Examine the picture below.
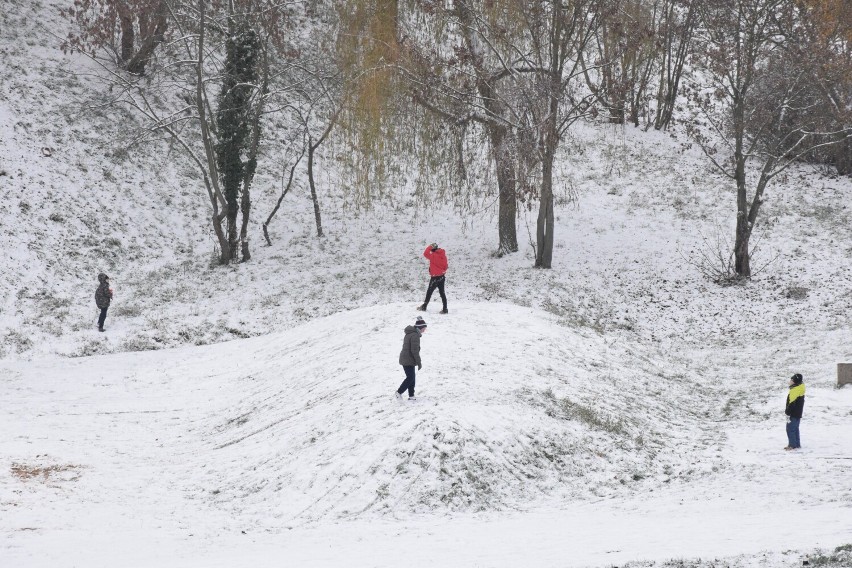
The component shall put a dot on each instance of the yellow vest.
(795, 392)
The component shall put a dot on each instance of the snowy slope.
(296, 439)
(512, 407)
(617, 408)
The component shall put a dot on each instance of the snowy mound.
(511, 407)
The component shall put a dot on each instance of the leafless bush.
(127, 310)
(90, 348)
(17, 341)
(796, 293)
(715, 260)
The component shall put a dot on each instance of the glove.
(419, 366)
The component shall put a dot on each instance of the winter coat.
(410, 354)
(103, 295)
(437, 261)
(795, 401)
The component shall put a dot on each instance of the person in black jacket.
(103, 295)
(793, 410)
(410, 356)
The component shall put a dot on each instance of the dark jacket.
(103, 294)
(795, 401)
(410, 354)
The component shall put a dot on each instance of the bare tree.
(130, 29)
(285, 189)
(433, 54)
(174, 100)
(624, 57)
(558, 34)
(676, 29)
(508, 67)
(748, 106)
(319, 95)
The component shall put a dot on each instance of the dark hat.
(420, 323)
(434, 246)
(797, 379)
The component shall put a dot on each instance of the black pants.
(408, 383)
(436, 282)
(102, 318)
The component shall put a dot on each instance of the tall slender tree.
(235, 117)
(624, 57)
(677, 20)
(558, 33)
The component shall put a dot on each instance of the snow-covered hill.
(521, 424)
(618, 407)
(512, 408)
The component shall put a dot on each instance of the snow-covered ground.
(619, 408)
(531, 443)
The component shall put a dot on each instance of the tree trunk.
(843, 157)
(228, 154)
(245, 209)
(317, 215)
(498, 137)
(671, 67)
(544, 224)
(616, 113)
(742, 264)
(128, 37)
(251, 163)
(233, 238)
(742, 258)
(151, 39)
(212, 174)
(665, 96)
(507, 190)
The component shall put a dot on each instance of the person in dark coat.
(410, 356)
(437, 275)
(793, 410)
(103, 295)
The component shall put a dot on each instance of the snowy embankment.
(292, 447)
(511, 407)
(619, 407)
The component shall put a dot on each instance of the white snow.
(291, 447)
(618, 409)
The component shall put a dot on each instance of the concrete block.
(844, 374)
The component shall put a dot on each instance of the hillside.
(298, 433)
(621, 402)
(648, 204)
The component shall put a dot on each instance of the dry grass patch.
(45, 473)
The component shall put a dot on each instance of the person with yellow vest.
(793, 410)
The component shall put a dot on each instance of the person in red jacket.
(437, 272)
